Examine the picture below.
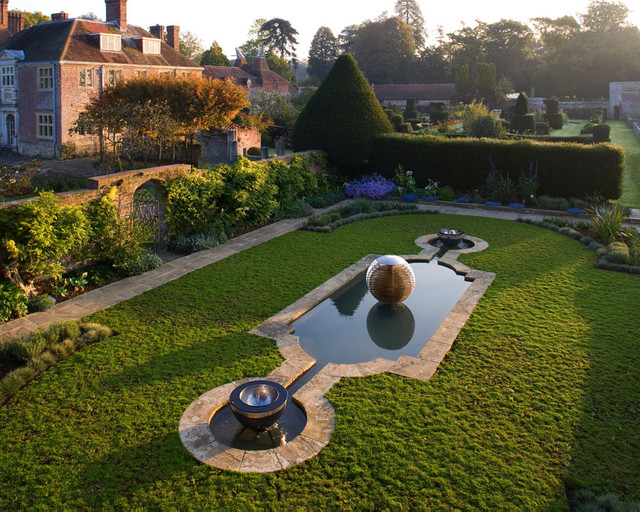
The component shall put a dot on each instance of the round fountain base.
(228, 431)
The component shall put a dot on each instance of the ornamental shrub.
(342, 117)
(601, 133)
(13, 301)
(248, 194)
(552, 105)
(116, 241)
(556, 121)
(542, 129)
(36, 235)
(522, 105)
(193, 204)
(488, 127)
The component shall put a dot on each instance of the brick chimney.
(117, 11)
(59, 16)
(157, 31)
(16, 22)
(173, 36)
(4, 11)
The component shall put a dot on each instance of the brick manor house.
(49, 71)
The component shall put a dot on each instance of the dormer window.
(151, 46)
(110, 42)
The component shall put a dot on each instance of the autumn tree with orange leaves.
(138, 116)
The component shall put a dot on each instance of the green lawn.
(539, 392)
(624, 136)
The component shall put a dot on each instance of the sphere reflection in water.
(390, 326)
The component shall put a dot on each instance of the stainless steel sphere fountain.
(390, 279)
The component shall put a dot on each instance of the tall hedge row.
(563, 169)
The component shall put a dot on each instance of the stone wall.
(624, 99)
(224, 146)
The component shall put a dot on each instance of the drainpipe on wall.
(55, 112)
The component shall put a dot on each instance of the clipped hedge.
(563, 169)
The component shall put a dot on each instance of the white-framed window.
(151, 46)
(141, 73)
(166, 74)
(8, 76)
(44, 125)
(85, 77)
(45, 78)
(110, 42)
(114, 76)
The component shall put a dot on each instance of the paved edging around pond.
(195, 431)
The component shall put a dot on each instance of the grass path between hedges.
(539, 391)
(624, 136)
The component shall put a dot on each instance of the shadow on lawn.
(122, 473)
(605, 457)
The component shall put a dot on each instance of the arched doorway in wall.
(10, 129)
(148, 208)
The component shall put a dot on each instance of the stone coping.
(196, 435)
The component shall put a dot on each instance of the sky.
(228, 22)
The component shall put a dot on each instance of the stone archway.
(128, 182)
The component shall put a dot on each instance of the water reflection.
(390, 327)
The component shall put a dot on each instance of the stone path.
(112, 294)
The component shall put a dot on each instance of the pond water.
(351, 326)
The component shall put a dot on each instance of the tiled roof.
(417, 91)
(258, 74)
(238, 75)
(72, 40)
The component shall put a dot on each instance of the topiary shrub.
(397, 121)
(406, 128)
(601, 133)
(342, 117)
(588, 128)
(438, 112)
(543, 129)
(555, 120)
(522, 105)
(254, 151)
(552, 105)
(522, 121)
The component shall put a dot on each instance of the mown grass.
(539, 391)
(624, 136)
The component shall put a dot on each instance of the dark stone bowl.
(450, 237)
(258, 404)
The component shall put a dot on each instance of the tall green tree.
(409, 12)
(190, 45)
(487, 80)
(342, 117)
(281, 66)
(214, 56)
(323, 53)
(465, 83)
(384, 49)
(603, 16)
(280, 37)
(346, 38)
(252, 45)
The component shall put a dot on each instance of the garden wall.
(562, 169)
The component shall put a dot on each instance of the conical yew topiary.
(342, 117)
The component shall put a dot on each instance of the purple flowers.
(373, 187)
